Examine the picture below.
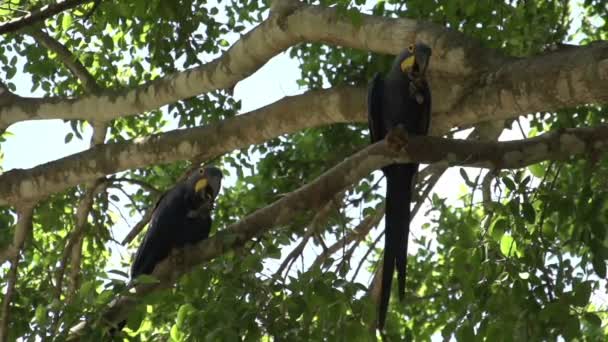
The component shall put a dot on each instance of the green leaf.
(465, 333)
(498, 228)
(508, 246)
(41, 316)
(572, 328)
(537, 170)
(528, 212)
(593, 319)
(465, 176)
(108, 42)
(68, 137)
(135, 318)
(66, 21)
(176, 334)
(599, 266)
(182, 314)
(509, 183)
(355, 17)
(582, 292)
(146, 279)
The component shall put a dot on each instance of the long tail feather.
(397, 226)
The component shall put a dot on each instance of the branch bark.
(544, 83)
(470, 83)
(454, 55)
(338, 105)
(22, 185)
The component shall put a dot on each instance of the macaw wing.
(375, 118)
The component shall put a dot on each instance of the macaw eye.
(201, 171)
(410, 48)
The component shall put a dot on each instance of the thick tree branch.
(40, 14)
(543, 83)
(470, 84)
(453, 54)
(22, 230)
(212, 140)
(204, 142)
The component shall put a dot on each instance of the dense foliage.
(526, 262)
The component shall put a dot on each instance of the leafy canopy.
(527, 263)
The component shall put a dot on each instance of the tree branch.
(317, 221)
(357, 234)
(543, 83)
(21, 185)
(149, 187)
(75, 237)
(141, 224)
(470, 84)
(67, 57)
(41, 14)
(24, 225)
(202, 142)
(453, 54)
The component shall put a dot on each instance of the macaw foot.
(397, 138)
(178, 260)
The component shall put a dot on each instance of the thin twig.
(315, 225)
(24, 225)
(364, 258)
(89, 83)
(359, 233)
(139, 226)
(151, 188)
(39, 14)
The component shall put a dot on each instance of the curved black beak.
(214, 179)
(422, 58)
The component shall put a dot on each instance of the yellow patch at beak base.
(407, 63)
(201, 184)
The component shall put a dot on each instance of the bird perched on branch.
(182, 216)
(401, 98)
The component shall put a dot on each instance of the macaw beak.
(422, 58)
(408, 63)
(201, 184)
